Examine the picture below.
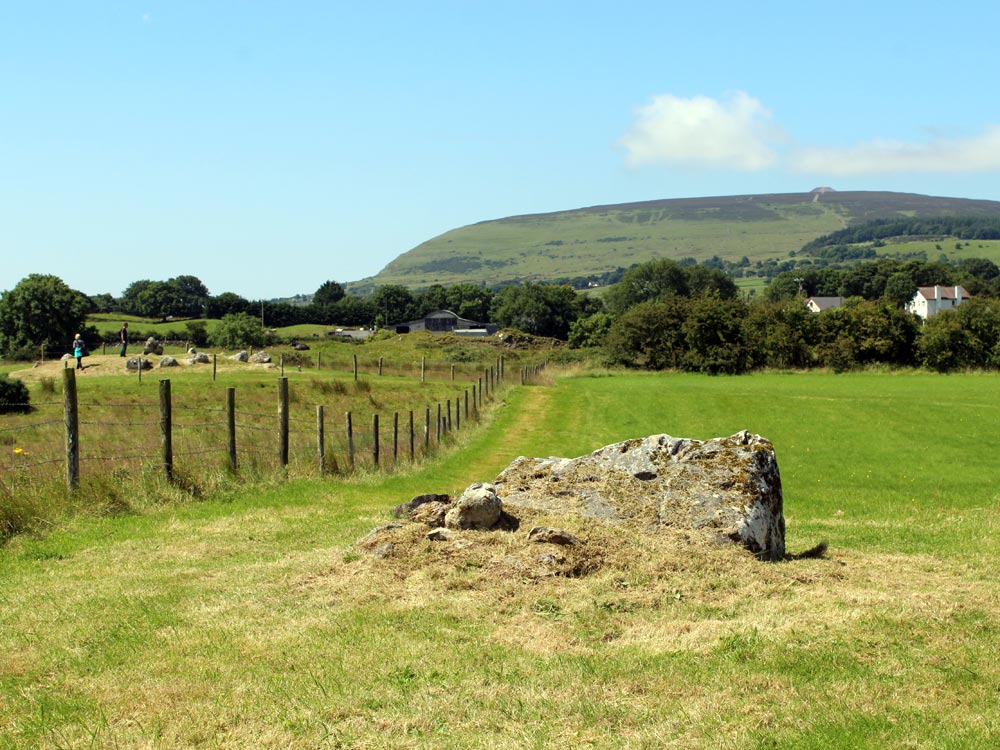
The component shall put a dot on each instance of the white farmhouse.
(930, 300)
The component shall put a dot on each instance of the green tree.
(353, 311)
(538, 309)
(899, 289)
(329, 293)
(238, 330)
(470, 302)
(393, 304)
(161, 299)
(713, 336)
(226, 303)
(705, 279)
(40, 310)
(778, 334)
(649, 335)
(654, 281)
(590, 331)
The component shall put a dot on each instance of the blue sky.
(267, 147)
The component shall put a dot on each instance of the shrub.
(14, 396)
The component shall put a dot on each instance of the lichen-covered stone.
(727, 488)
(477, 508)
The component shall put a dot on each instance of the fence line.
(390, 439)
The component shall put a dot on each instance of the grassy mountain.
(597, 240)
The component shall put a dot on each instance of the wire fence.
(70, 440)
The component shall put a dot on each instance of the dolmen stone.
(199, 358)
(241, 356)
(168, 361)
(727, 489)
(152, 346)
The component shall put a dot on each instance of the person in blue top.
(79, 350)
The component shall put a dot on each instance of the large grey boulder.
(168, 361)
(199, 358)
(240, 356)
(727, 489)
(152, 346)
(260, 358)
(477, 508)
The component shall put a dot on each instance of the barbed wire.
(31, 426)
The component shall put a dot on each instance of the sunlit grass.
(256, 621)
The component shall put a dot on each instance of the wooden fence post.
(423, 369)
(214, 365)
(320, 441)
(355, 366)
(231, 426)
(375, 439)
(448, 422)
(283, 421)
(166, 430)
(71, 416)
(453, 372)
(427, 430)
(281, 363)
(350, 443)
(411, 436)
(380, 367)
(438, 435)
(395, 438)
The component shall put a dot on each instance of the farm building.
(445, 321)
(930, 300)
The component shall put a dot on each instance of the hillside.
(597, 240)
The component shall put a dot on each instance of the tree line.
(660, 314)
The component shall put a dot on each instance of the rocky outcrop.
(724, 490)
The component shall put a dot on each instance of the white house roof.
(825, 303)
(942, 292)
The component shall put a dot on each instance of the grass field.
(258, 621)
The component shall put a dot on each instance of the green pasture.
(954, 248)
(257, 620)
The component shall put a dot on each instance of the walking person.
(79, 351)
(123, 339)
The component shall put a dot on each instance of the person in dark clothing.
(123, 339)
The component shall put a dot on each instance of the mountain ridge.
(596, 240)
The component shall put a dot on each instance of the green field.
(259, 622)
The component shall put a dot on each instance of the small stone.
(545, 535)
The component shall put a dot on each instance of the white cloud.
(735, 133)
(977, 154)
